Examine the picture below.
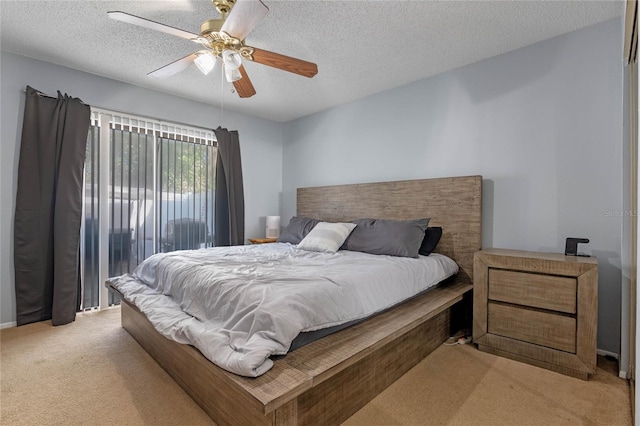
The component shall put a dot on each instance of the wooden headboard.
(455, 203)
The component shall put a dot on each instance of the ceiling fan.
(223, 40)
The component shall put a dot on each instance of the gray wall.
(542, 125)
(260, 140)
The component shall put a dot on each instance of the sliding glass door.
(148, 189)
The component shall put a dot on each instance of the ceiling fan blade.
(175, 66)
(286, 63)
(244, 87)
(152, 25)
(244, 17)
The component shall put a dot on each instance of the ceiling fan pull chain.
(222, 95)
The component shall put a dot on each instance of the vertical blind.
(631, 32)
(152, 192)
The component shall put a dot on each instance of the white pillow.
(326, 237)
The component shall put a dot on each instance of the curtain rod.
(41, 94)
(108, 110)
(46, 95)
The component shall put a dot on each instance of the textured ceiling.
(361, 47)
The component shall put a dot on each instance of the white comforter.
(240, 305)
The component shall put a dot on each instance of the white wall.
(542, 124)
(260, 141)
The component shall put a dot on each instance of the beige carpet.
(93, 372)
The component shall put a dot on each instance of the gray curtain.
(229, 217)
(49, 208)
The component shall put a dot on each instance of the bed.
(326, 381)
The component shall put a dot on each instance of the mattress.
(241, 305)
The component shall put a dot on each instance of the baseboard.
(15, 324)
(8, 324)
(621, 373)
(609, 354)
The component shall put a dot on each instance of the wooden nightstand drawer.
(536, 290)
(542, 328)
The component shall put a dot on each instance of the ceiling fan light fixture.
(205, 62)
(232, 59)
(232, 74)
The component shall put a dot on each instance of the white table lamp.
(273, 227)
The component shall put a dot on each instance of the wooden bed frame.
(328, 380)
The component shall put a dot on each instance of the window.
(149, 188)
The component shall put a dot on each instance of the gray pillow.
(390, 237)
(297, 229)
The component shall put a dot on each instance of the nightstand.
(262, 240)
(538, 308)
